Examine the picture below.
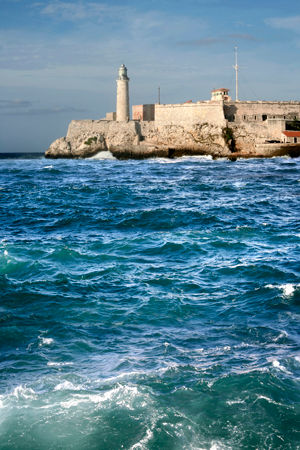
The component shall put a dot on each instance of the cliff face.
(134, 139)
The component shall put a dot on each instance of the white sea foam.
(45, 341)
(123, 396)
(48, 167)
(23, 392)
(287, 289)
(218, 446)
(123, 375)
(205, 157)
(103, 155)
(58, 364)
(182, 158)
(239, 184)
(141, 445)
(269, 400)
(67, 386)
(235, 402)
(283, 334)
(276, 364)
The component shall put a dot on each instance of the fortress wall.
(260, 110)
(190, 113)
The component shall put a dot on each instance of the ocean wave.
(102, 155)
(288, 289)
(148, 304)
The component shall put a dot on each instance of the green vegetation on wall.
(228, 136)
(91, 140)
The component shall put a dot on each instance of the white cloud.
(291, 23)
(80, 11)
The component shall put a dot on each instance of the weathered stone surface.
(80, 147)
(134, 139)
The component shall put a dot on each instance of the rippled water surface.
(149, 304)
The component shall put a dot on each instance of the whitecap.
(124, 375)
(48, 167)
(276, 364)
(67, 386)
(283, 334)
(239, 184)
(45, 341)
(235, 402)
(288, 289)
(103, 155)
(123, 396)
(23, 392)
(142, 443)
(269, 400)
(58, 364)
(201, 157)
(217, 446)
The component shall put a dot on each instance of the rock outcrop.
(134, 139)
(86, 138)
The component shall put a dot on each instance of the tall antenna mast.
(236, 68)
(159, 95)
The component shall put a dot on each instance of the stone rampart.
(260, 111)
(190, 113)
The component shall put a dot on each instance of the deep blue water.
(149, 304)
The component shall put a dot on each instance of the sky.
(59, 59)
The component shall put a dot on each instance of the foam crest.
(58, 364)
(141, 445)
(123, 396)
(276, 364)
(45, 341)
(287, 289)
(67, 386)
(267, 399)
(103, 155)
(22, 392)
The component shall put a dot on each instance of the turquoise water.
(149, 304)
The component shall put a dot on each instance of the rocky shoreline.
(140, 140)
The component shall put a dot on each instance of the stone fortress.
(219, 127)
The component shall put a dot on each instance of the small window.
(264, 117)
(244, 117)
(255, 117)
(295, 140)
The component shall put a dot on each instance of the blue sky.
(59, 59)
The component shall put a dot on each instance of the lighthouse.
(122, 95)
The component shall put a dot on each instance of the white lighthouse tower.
(122, 95)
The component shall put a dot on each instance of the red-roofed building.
(291, 137)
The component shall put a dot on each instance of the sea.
(149, 304)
